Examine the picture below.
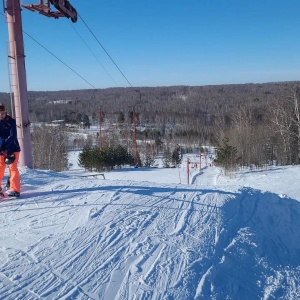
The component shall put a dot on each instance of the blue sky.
(161, 43)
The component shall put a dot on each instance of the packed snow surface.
(152, 234)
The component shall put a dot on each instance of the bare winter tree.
(221, 125)
(243, 134)
(282, 123)
(50, 148)
(297, 120)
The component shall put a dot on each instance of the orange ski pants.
(15, 184)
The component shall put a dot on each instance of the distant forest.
(261, 121)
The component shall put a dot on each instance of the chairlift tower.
(19, 85)
(17, 62)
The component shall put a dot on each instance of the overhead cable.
(59, 60)
(104, 50)
(55, 57)
(93, 53)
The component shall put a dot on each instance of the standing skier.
(9, 152)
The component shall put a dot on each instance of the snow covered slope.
(146, 234)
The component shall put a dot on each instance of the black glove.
(9, 159)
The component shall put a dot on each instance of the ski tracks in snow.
(131, 240)
(106, 242)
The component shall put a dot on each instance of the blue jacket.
(8, 135)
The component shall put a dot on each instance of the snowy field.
(147, 234)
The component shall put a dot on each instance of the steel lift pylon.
(17, 64)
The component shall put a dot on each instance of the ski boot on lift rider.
(9, 152)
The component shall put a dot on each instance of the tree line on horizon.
(260, 121)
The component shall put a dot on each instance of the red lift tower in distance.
(17, 62)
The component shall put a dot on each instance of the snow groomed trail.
(70, 238)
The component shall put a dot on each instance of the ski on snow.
(5, 196)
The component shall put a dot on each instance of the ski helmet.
(9, 159)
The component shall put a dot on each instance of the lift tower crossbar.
(64, 9)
